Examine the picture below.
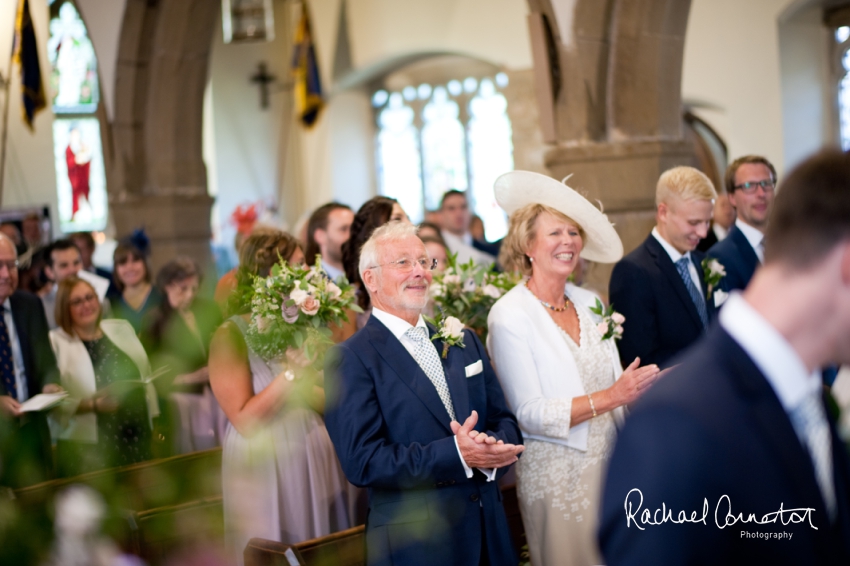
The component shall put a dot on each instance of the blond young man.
(660, 287)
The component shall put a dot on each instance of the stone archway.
(618, 114)
(157, 173)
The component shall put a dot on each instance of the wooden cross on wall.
(263, 80)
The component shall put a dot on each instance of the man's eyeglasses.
(83, 300)
(405, 265)
(750, 188)
(10, 264)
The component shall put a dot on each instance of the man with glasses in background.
(27, 367)
(397, 392)
(750, 183)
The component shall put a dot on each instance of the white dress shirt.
(17, 354)
(332, 271)
(753, 236)
(458, 245)
(675, 256)
(399, 327)
(770, 351)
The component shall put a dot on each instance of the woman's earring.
(530, 259)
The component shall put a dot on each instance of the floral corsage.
(713, 272)
(450, 331)
(611, 325)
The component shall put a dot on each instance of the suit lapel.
(402, 363)
(665, 264)
(20, 319)
(453, 369)
(748, 254)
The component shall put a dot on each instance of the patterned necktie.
(428, 359)
(7, 366)
(810, 423)
(696, 296)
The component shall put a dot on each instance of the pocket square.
(474, 369)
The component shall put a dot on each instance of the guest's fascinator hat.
(520, 188)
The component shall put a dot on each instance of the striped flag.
(305, 69)
(25, 52)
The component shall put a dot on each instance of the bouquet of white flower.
(468, 292)
(292, 308)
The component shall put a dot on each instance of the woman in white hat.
(561, 376)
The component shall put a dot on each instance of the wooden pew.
(164, 531)
(345, 548)
(348, 548)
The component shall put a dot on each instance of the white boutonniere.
(611, 325)
(713, 271)
(450, 331)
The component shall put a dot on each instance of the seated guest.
(721, 222)
(327, 230)
(176, 335)
(394, 411)
(456, 219)
(660, 287)
(476, 229)
(430, 230)
(27, 367)
(561, 377)
(64, 260)
(132, 277)
(11, 230)
(280, 477)
(101, 365)
(86, 244)
(375, 212)
(437, 250)
(750, 183)
(734, 457)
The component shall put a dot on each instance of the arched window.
(437, 137)
(75, 96)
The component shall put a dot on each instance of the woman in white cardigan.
(101, 364)
(561, 376)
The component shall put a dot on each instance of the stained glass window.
(434, 138)
(73, 77)
(75, 94)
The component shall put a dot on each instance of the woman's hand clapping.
(634, 382)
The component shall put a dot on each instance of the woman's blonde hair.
(64, 320)
(521, 234)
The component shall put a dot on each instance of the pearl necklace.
(547, 305)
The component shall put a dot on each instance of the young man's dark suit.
(661, 318)
(714, 426)
(25, 449)
(738, 258)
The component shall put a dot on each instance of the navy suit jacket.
(712, 428)
(661, 318)
(392, 435)
(738, 257)
(25, 449)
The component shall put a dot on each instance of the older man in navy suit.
(750, 182)
(735, 447)
(397, 392)
(660, 287)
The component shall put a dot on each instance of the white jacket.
(77, 375)
(536, 369)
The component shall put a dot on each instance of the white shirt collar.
(674, 254)
(753, 235)
(332, 271)
(394, 324)
(769, 350)
(7, 305)
(720, 231)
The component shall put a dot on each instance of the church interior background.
(175, 122)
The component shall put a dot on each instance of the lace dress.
(559, 487)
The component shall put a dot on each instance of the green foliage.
(467, 292)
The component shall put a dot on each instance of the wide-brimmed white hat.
(519, 188)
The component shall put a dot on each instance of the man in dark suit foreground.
(750, 183)
(660, 286)
(27, 367)
(393, 412)
(732, 458)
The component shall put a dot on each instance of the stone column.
(158, 178)
(618, 115)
